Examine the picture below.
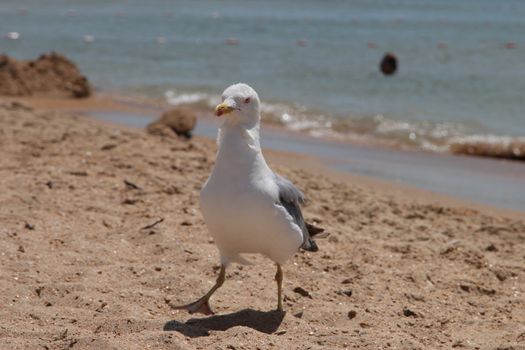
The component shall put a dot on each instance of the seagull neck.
(240, 137)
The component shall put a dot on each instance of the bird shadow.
(263, 321)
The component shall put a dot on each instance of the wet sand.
(85, 266)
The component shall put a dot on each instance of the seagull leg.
(202, 305)
(279, 279)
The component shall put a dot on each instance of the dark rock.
(352, 314)
(408, 313)
(303, 292)
(108, 147)
(388, 64)
(491, 248)
(29, 226)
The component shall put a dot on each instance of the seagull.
(247, 207)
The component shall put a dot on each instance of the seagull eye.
(247, 100)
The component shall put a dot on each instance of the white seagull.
(247, 207)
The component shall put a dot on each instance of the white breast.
(239, 203)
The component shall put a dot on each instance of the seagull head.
(240, 105)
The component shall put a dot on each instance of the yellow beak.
(223, 108)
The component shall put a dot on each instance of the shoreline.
(276, 141)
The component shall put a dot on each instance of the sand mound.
(490, 146)
(180, 121)
(49, 75)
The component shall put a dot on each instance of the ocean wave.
(452, 137)
(175, 99)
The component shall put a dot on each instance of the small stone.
(108, 147)
(29, 226)
(408, 313)
(303, 292)
(352, 314)
(21, 249)
(347, 292)
(299, 314)
(158, 268)
(491, 248)
(464, 287)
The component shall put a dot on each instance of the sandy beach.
(101, 232)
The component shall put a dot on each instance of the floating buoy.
(89, 38)
(388, 64)
(510, 45)
(231, 41)
(301, 43)
(371, 45)
(13, 35)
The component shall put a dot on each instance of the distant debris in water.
(231, 41)
(89, 38)
(388, 64)
(371, 45)
(301, 43)
(489, 146)
(511, 45)
(442, 45)
(13, 35)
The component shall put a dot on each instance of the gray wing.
(290, 197)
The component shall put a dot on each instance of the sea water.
(314, 62)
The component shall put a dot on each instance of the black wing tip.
(314, 230)
(310, 246)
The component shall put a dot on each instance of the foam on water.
(458, 138)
